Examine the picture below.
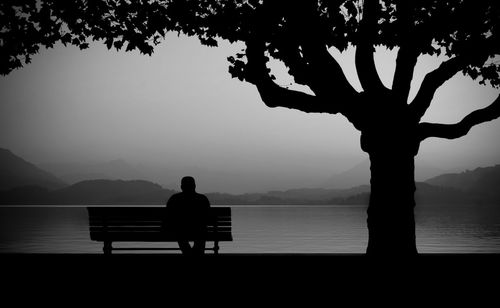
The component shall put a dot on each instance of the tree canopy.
(298, 33)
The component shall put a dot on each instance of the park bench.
(145, 224)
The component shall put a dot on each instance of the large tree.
(301, 34)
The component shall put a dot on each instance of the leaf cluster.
(466, 28)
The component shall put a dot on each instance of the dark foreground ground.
(248, 279)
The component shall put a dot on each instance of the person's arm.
(207, 202)
(206, 209)
(171, 219)
(170, 201)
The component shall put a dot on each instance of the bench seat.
(144, 224)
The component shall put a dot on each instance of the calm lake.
(265, 229)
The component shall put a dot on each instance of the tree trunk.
(391, 220)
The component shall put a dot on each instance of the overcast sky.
(180, 107)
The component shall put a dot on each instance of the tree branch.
(272, 94)
(297, 66)
(432, 82)
(403, 75)
(328, 74)
(364, 57)
(457, 130)
(407, 54)
(304, 51)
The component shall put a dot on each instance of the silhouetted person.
(187, 216)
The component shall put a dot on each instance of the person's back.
(188, 215)
(188, 212)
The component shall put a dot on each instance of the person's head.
(188, 184)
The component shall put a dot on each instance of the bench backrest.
(145, 224)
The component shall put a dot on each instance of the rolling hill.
(22, 182)
(17, 172)
(483, 182)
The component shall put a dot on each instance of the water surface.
(264, 229)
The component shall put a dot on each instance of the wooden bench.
(144, 224)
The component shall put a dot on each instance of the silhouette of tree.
(300, 34)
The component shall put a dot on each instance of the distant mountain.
(91, 193)
(137, 192)
(27, 195)
(480, 181)
(303, 196)
(169, 176)
(425, 195)
(360, 175)
(319, 194)
(17, 172)
(113, 192)
(116, 169)
(357, 175)
(479, 186)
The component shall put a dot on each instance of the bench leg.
(107, 248)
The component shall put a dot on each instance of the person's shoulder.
(175, 197)
(202, 197)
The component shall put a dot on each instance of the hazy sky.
(181, 107)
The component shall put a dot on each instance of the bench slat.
(145, 211)
(149, 229)
(145, 223)
(158, 218)
(151, 237)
